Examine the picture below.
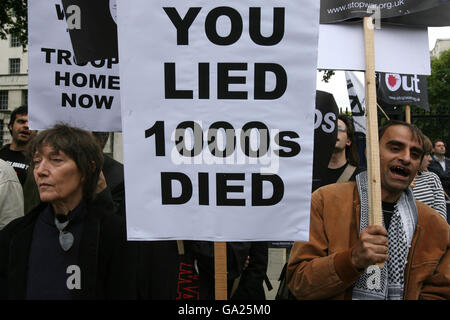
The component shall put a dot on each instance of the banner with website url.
(403, 12)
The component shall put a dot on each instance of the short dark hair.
(19, 110)
(80, 146)
(438, 140)
(102, 137)
(350, 151)
(415, 131)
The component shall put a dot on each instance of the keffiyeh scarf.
(387, 283)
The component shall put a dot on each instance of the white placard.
(211, 73)
(59, 90)
(397, 49)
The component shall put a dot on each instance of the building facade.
(440, 46)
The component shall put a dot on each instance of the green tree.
(13, 19)
(436, 122)
(439, 82)
(327, 74)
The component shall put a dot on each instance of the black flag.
(403, 89)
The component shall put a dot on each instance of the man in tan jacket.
(339, 261)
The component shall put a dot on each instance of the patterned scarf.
(387, 283)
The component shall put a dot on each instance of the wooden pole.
(381, 109)
(180, 246)
(220, 270)
(372, 144)
(408, 113)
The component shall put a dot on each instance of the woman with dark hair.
(72, 245)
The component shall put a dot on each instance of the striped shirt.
(429, 190)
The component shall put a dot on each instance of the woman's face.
(425, 162)
(58, 179)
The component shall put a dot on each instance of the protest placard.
(60, 89)
(397, 48)
(218, 112)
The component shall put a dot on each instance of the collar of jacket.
(20, 250)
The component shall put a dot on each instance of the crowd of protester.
(63, 227)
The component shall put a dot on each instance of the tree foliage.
(13, 19)
(327, 74)
(439, 81)
(436, 122)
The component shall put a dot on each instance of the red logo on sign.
(393, 81)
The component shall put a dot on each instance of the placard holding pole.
(408, 113)
(372, 143)
(220, 270)
(373, 152)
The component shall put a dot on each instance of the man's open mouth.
(26, 133)
(401, 171)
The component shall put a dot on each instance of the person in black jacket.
(184, 270)
(113, 171)
(72, 245)
(441, 165)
